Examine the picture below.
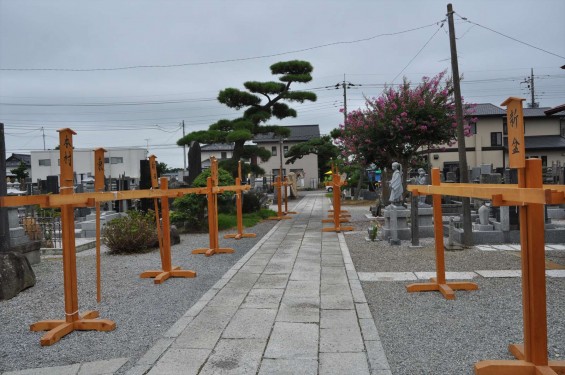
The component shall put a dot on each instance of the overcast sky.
(145, 106)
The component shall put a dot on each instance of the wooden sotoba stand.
(280, 214)
(439, 282)
(212, 191)
(163, 233)
(286, 184)
(73, 321)
(239, 208)
(337, 216)
(530, 195)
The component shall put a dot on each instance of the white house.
(118, 162)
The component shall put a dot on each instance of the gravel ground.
(424, 334)
(141, 309)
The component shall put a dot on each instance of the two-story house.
(488, 144)
(14, 161)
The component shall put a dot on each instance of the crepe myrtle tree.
(401, 123)
(260, 102)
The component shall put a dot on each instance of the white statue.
(395, 183)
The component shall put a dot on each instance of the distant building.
(488, 144)
(14, 161)
(118, 162)
(306, 168)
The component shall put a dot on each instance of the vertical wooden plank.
(438, 230)
(536, 267)
(166, 263)
(68, 225)
(98, 187)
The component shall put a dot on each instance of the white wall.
(309, 163)
(84, 163)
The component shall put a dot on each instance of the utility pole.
(184, 146)
(530, 82)
(345, 86)
(463, 169)
(43, 131)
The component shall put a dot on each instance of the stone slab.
(250, 324)
(340, 340)
(448, 275)
(293, 341)
(235, 357)
(180, 361)
(263, 299)
(555, 273)
(59, 370)
(343, 363)
(499, 273)
(108, 366)
(288, 366)
(386, 276)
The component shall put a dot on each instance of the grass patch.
(227, 221)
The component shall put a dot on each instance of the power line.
(421, 49)
(220, 61)
(511, 38)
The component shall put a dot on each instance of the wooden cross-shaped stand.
(439, 283)
(212, 191)
(164, 233)
(73, 321)
(280, 214)
(337, 215)
(530, 195)
(98, 187)
(238, 204)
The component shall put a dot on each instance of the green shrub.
(251, 202)
(189, 211)
(227, 221)
(134, 233)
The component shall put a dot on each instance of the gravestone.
(194, 162)
(145, 184)
(491, 178)
(450, 177)
(475, 174)
(16, 274)
(483, 224)
(486, 168)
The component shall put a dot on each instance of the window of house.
(276, 172)
(562, 127)
(274, 151)
(285, 150)
(45, 162)
(116, 160)
(496, 139)
(473, 127)
(505, 125)
(223, 155)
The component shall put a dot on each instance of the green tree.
(20, 172)
(162, 168)
(323, 147)
(260, 101)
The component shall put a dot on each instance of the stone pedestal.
(425, 221)
(396, 224)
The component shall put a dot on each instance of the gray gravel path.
(424, 334)
(141, 309)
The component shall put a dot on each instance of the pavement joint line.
(411, 276)
(376, 356)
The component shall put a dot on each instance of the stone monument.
(194, 162)
(396, 215)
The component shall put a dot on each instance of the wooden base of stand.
(161, 276)
(520, 366)
(337, 229)
(239, 236)
(447, 289)
(60, 328)
(210, 252)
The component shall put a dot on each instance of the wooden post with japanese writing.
(338, 216)
(239, 208)
(98, 187)
(532, 355)
(286, 184)
(73, 321)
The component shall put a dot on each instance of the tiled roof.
(488, 109)
(542, 142)
(20, 157)
(297, 133)
(539, 112)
